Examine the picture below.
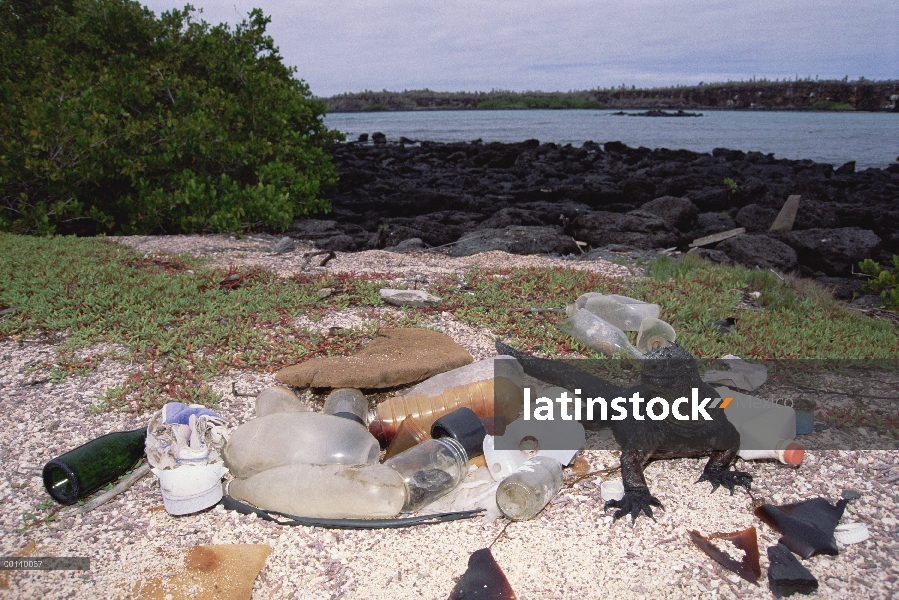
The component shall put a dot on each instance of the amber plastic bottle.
(485, 388)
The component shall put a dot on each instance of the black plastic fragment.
(786, 575)
(807, 527)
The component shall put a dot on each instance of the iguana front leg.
(636, 498)
(717, 472)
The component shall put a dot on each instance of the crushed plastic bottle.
(597, 333)
(325, 491)
(526, 491)
(430, 470)
(653, 334)
(295, 438)
(481, 386)
(278, 399)
(625, 313)
(348, 403)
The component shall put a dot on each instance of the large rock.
(679, 213)
(399, 357)
(516, 239)
(759, 251)
(638, 229)
(414, 298)
(832, 251)
(755, 217)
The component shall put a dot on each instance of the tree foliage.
(115, 120)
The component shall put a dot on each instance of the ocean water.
(870, 139)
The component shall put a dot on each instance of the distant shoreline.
(800, 96)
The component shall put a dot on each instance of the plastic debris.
(746, 540)
(180, 434)
(743, 375)
(598, 334)
(278, 399)
(483, 580)
(348, 403)
(851, 533)
(529, 489)
(430, 470)
(807, 527)
(786, 575)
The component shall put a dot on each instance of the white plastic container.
(190, 488)
(325, 491)
(295, 438)
(786, 451)
(763, 425)
(503, 462)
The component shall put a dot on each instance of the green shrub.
(883, 280)
(115, 120)
(831, 105)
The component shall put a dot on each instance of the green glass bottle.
(87, 468)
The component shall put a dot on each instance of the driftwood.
(123, 485)
(717, 237)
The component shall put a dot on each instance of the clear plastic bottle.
(348, 403)
(430, 470)
(526, 491)
(482, 386)
(654, 333)
(292, 438)
(409, 434)
(325, 491)
(278, 399)
(597, 333)
(621, 311)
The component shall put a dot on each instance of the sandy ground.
(571, 550)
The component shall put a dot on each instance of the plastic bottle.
(654, 333)
(526, 491)
(474, 386)
(621, 311)
(597, 333)
(325, 491)
(292, 438)
(786, 451)
(430, 470)
(409, 434)
(348, 403)
(80, 472)
(278, 399)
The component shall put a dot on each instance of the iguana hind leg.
(717, 472)
(637, 498)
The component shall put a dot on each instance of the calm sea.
(870, 139)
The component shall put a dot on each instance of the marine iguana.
(670, 373)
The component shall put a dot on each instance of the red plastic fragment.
(746, 540)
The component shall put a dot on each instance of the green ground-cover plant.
(183, 323)
(114, 119)
(831, 105)
(885, 281)
(532, 102)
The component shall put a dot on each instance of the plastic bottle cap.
(851, 533)
(793, 454)
(611, 490)
(465, 427)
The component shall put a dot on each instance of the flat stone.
(285, 245)
(415, 298)
(398, 357)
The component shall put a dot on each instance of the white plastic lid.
(851, 533)
(611, 490)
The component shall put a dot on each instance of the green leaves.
(115, 120)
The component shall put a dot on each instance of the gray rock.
(679, 213)
(755, 217)
(832, 251)
(759, 251)
(285, 244)
(516, 239)
(414, 298)
(410, 245)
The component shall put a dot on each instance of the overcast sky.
(560, 45)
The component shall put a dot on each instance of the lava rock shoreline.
(533, 198)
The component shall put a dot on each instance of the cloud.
(352, 45)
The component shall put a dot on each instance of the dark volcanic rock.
(842, 288)
(679, 213)
(637, 229)
(714, 256)
(759, 251)
(709, 223)
(516, 240)
(755, 217)
(832, 251)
